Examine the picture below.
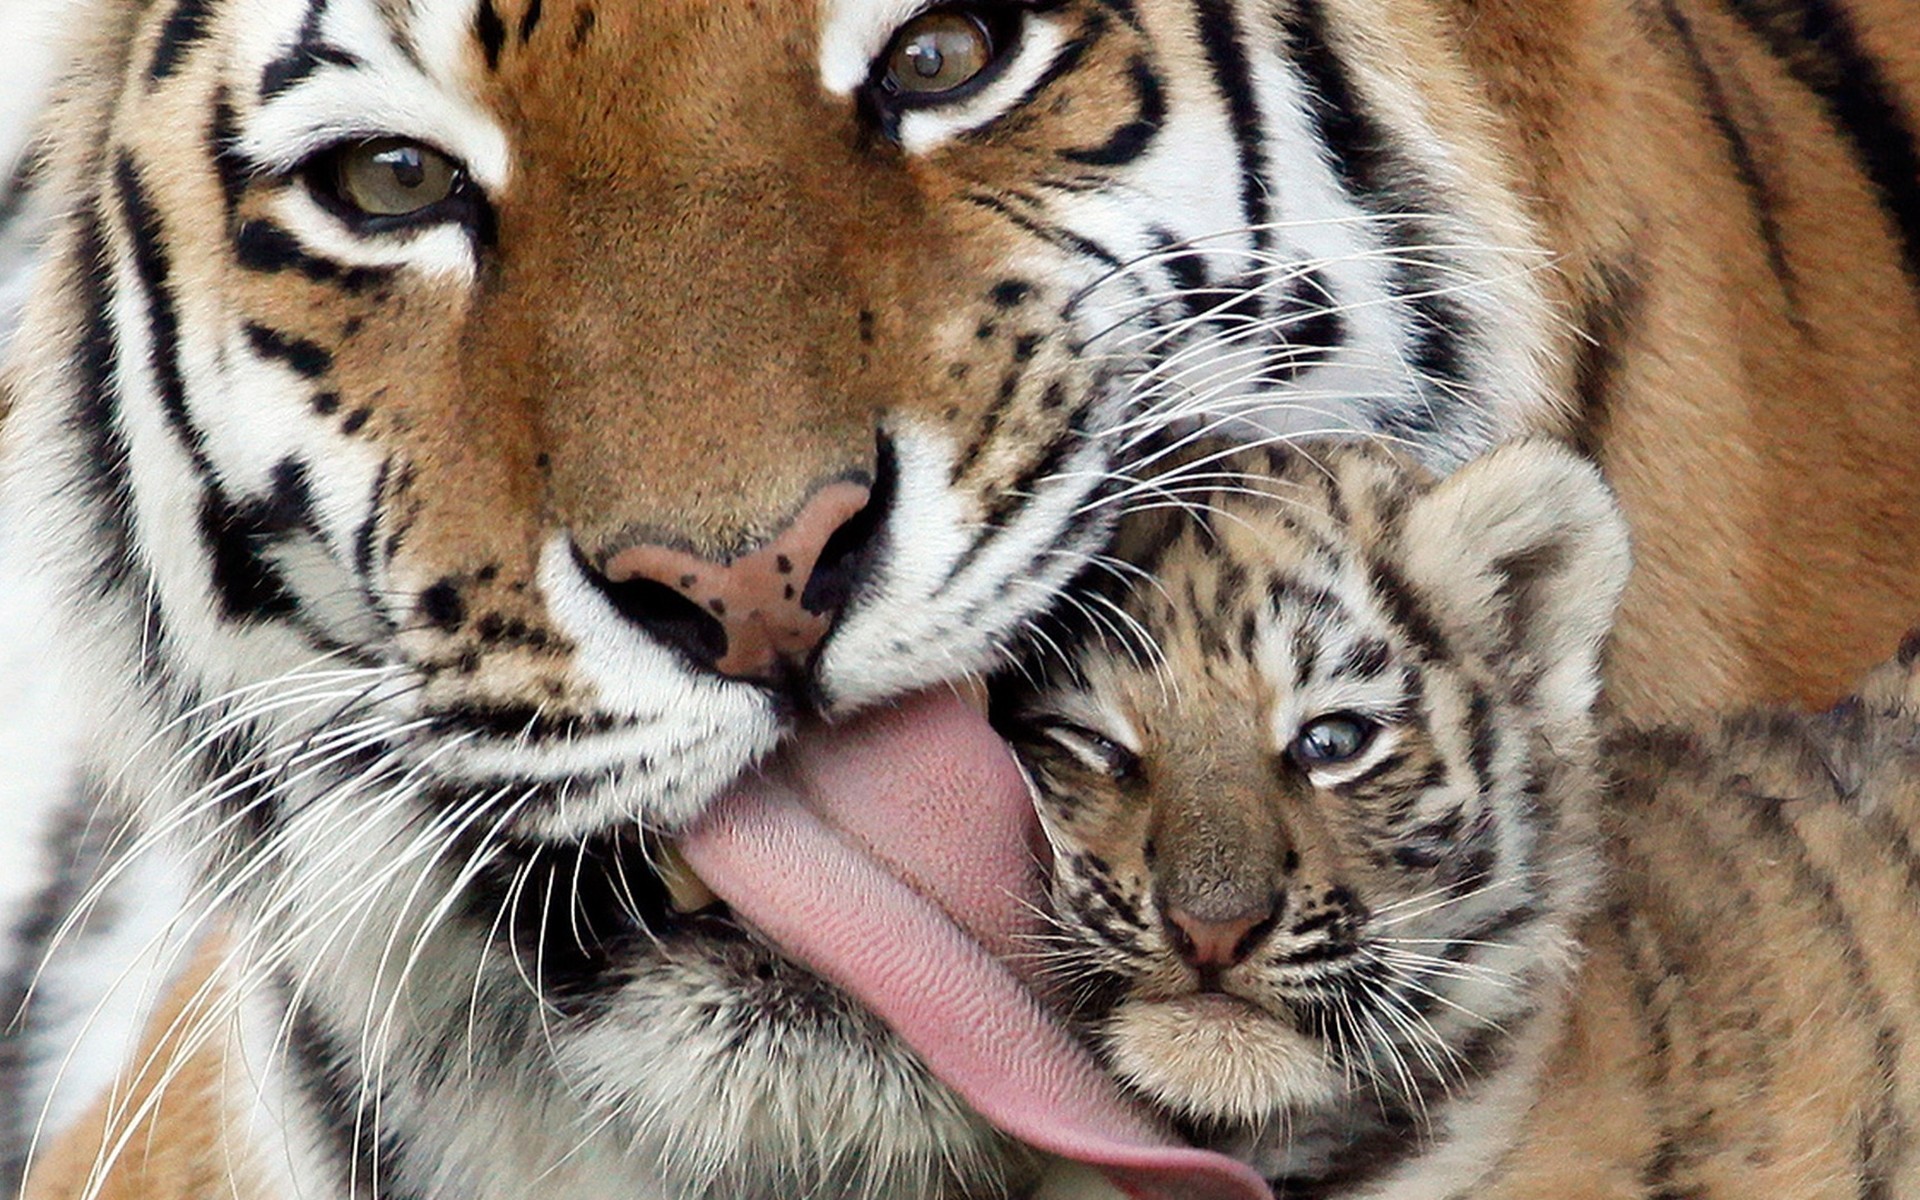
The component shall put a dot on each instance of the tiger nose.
(761, 614)
(1222, 942)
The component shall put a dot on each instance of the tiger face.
(1318, 796)
(470, 435)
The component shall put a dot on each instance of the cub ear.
(1523, 553)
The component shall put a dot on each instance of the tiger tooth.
(686, 892)
(972, 691)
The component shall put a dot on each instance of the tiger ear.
(1523, 554)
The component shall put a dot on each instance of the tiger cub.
(1350, 883)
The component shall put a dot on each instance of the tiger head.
(469, 434)
(1320, 795)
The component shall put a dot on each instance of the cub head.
(1317, 789)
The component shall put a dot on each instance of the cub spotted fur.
(1340, 882)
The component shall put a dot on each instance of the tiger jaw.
(1215, 1057)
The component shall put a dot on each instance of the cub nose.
(1219, 942)
(760, 614)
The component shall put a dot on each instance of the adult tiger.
(466, 434)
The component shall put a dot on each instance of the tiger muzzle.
(761, 615)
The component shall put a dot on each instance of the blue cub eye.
(1337, 738)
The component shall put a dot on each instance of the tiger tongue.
(852, 851)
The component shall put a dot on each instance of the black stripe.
(1647, 968)
(1134, 138)
(1288, 591)
(308, 54)
(1021, 490)
(245, 584)
(491, 31)
(223, 148)
(1817, 43)
(295, 67)
(1220, 36)
(261, 245)
(247, 588)
(519, 723)
(299, 64)
(1306, 318)
(989, 424)
(1482, 738)
(1382, 183)
(163, 324)
(1408, 610)
(583, 23)
(101, 470)
(1006, 500)
(344, 1105)
(1365, 658)
(530, 20)
(366, 537)
(1771, 816)
(1064, 239)
(1608, 314)
(1441, 325)
(1071, 53)
(1661, 947)
(1761, 201)
(1883, 1137)
(71, 858)
(1187, 270)
(310, 360)
(20, 182)
(232, 769)
(1355, 143)
(185, 27)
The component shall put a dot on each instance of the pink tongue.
(852, 852)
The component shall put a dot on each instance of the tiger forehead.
(1276, 597)
(1291, 540)
(710, 70)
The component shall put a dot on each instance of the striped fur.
(324, 501)
(1500, 956)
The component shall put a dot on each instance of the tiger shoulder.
(1350, 878)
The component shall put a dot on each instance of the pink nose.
(1218, 943)
(760, 599)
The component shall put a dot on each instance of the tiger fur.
(311, 483)
(1488, 949)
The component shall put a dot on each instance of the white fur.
(855, 33)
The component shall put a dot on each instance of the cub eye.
(936, 55)
(1095, 749)
(386, 179)
(1330, 740)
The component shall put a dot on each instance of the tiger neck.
(169, 1128)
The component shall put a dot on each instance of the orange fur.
(168, 1112)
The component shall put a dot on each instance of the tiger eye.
(1332, 739)
(393, 177)
(937, 52)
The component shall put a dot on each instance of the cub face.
(1316, 794)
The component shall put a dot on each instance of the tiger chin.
(1349, 879)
